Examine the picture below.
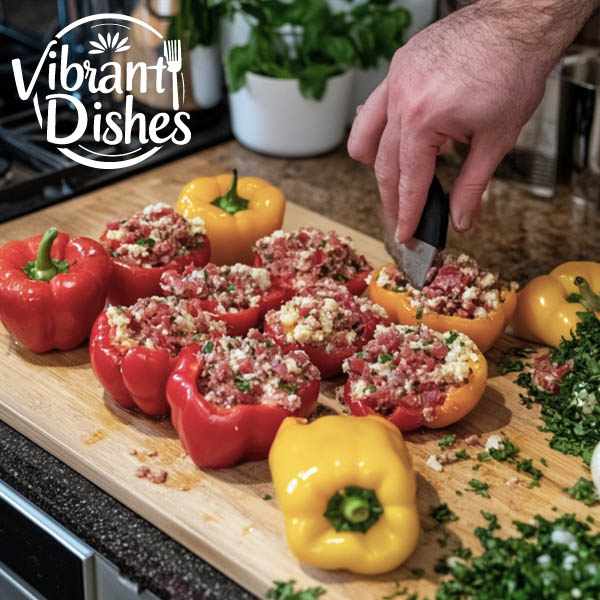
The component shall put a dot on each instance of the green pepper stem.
(230, 201)
(589, 299)
(354, 509)
(44, 268)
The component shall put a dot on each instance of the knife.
(415, 257)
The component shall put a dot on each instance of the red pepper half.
(217, 437)
(52, 288)
(328, 363)
(135, 378)
(239, 323)
(357, 285)
(130, 281)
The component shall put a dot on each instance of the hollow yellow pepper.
(236, 213)
(483, 331)
(347, 490)
(547, 306)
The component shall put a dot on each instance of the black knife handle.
(433, 225)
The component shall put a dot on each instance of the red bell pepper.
(52, 288)
(356, 286)
(217, 437)
(130, 281)
(328, 363)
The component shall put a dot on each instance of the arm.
(474, 77)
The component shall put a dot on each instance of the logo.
(100, 75)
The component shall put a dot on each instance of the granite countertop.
(518, 235)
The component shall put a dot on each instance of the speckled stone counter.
(519, 235)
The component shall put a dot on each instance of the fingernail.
(464, 223)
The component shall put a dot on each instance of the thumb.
(465, 200)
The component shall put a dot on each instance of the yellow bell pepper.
(347, 490)
(547, 306)
(236, 213)
(483, 331)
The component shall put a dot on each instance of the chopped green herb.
(442, 514)
(476, 467)
(291, 387)
(243, 385)
(284, 590)
(458, 492)
(399, 591)
(480, 488)
(451, 338)
(447, 441)
(507, 452)
(509, 365)
(208, 347)
(145, 242)
(267, 497)
(590, 519)
(420, 312)
(483, 456)
(572, 415)
(526, 466)
(544, 461)
(340, 278)
(584, 491)
(418, 572)
(462, 454)
(231, 287)
(384, 358)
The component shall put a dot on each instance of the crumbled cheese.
(197, 226)
(495, 442)
(153, 208)
(433, 463)
(560, 536)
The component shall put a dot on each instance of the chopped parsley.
(462, 455)
(506, 454)
(451, 338)
(530, 565)
(208, 347)
(442, 514)
(583, 490)
(291, 387)
(572, 415)
(447, 441)
(417, 572)
(384, 358)
(267, 497)
(243, 385)
(526, 466)
(145, 242)
(480, 488)
(483, 456)
(284, 590)
(510, 360)
(419, 312)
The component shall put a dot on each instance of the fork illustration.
(172, 51)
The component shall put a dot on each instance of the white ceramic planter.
(205, 69)
(271, 116)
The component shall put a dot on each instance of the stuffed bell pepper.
(327, 322)
(236, 213)
(238, 295)
(52, 288)
(229, 396)
(547, 306)
(300, 258)
(347, 491)
(415, 376)
(458, 295)
(133, 349)
(146, 245)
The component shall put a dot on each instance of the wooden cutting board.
(55, 400)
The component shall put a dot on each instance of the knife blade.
(415, 257)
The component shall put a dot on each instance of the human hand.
(468, 78)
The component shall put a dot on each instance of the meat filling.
(158, 322)
(232, 288)
(454, 286)
(310, 254)
(413, 367)
(154, 236)
(325, 316)
(253, 370)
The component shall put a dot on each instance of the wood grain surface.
(55, 400)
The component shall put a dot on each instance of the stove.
(33, 173)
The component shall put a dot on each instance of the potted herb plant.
(290, 84)
(196, 24)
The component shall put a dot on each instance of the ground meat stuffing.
(158, 322)
(454, 286)
(154, 236)
(232, 288)
(325, 316)
(309, 254)
(473, 440)
(414, 367)
(547, 375)
(253, 370)
(157, 476)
